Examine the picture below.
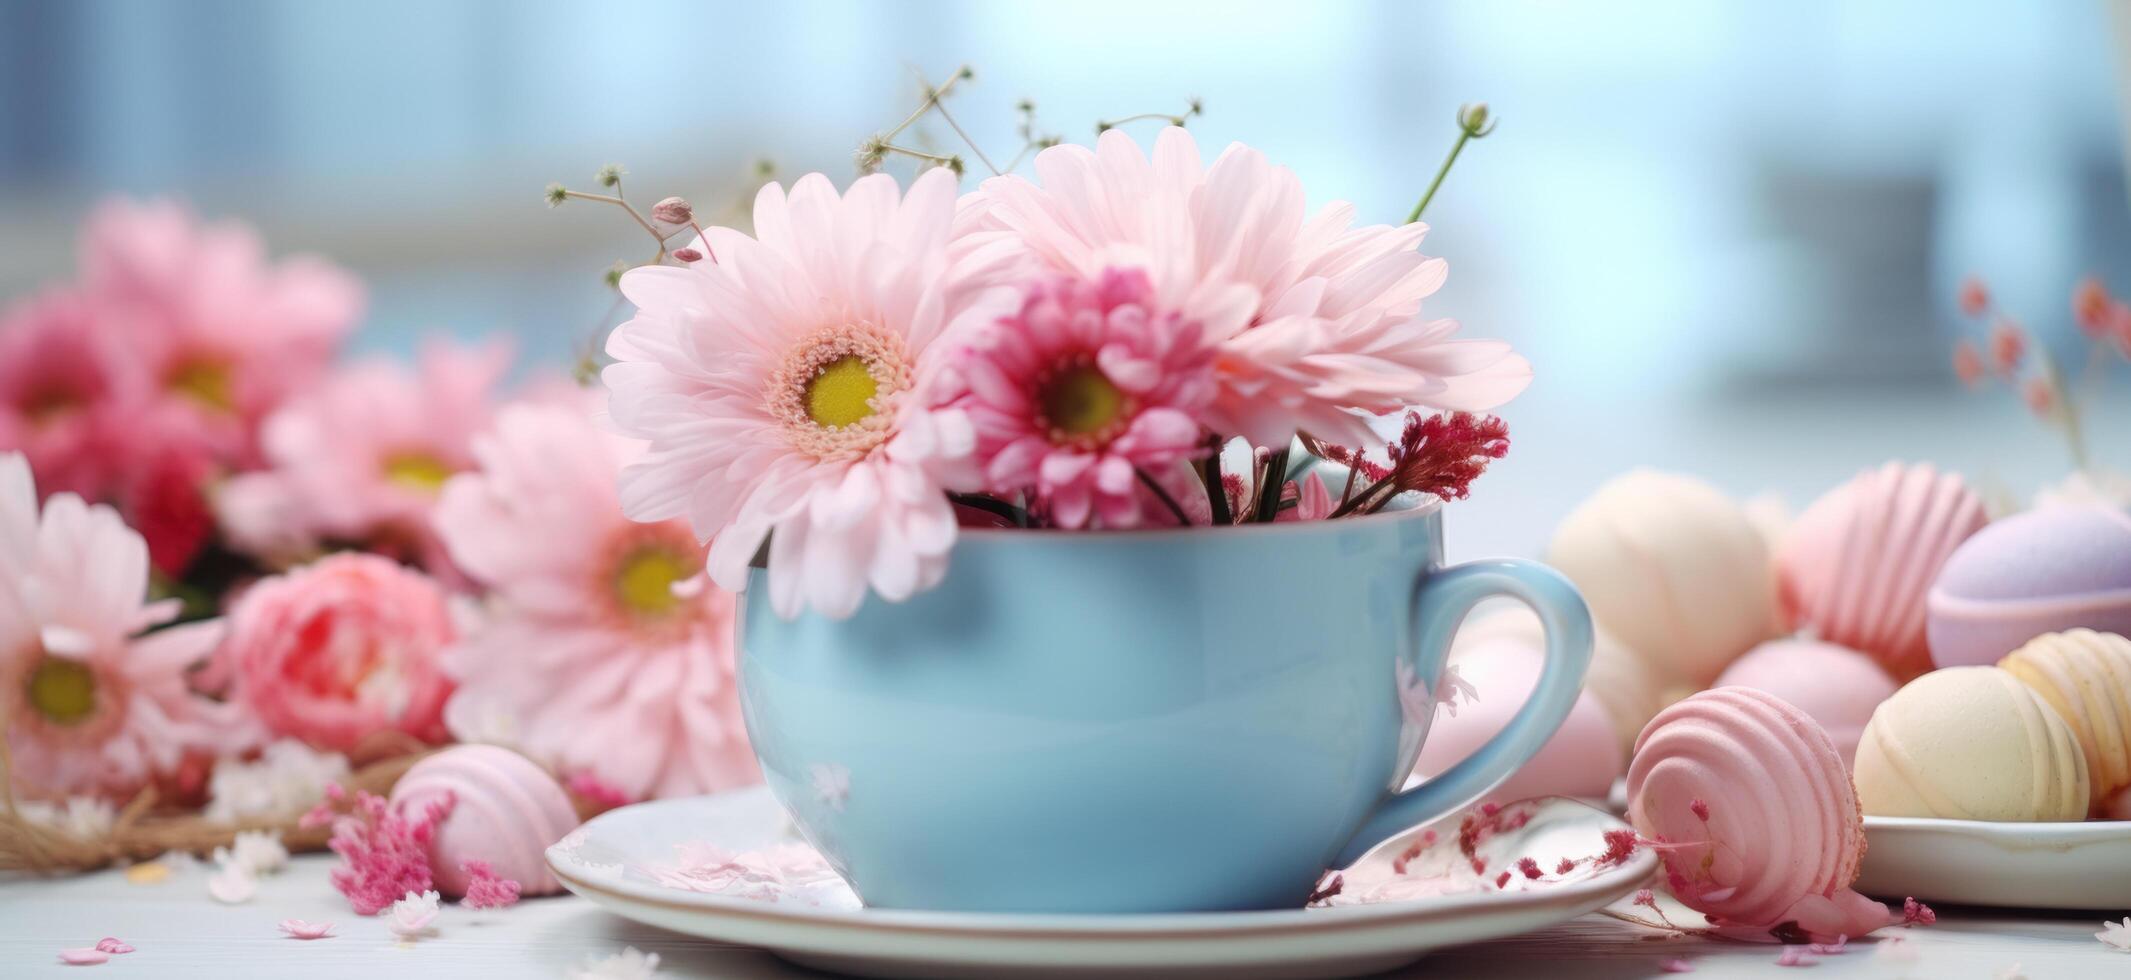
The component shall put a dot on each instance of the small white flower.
(232, 884)
(2012, 972)
(832, 786)
(258, 851)
(80, 817)
(2117, 934)
(629, 964)
(288, 778)
(414, 916)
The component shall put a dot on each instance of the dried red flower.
(1565, 866)
(384, 850)
(1502, 880)
(1967, 363)
(486, 891)
(1915, 913)
(1974, 297)
(1529, 868)
(1700, 810)
(2090, 307)
(2008, 345)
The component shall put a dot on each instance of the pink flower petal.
(83, 956)
(299, 929)
(111, 944)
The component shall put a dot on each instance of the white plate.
(1977, 862)
(674, 863)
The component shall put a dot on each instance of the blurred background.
(1729, 236)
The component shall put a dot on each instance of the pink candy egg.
(1837, 686)
(2043, 571)
(1757, 821)
(1858, 563)
(506, 811)
(1583, 757)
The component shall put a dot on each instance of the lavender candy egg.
(506, 810)
(2043, 571)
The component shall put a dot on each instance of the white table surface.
(180, 932)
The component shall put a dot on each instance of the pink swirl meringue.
(1754, 815)
(1859, 562)
(505, 810)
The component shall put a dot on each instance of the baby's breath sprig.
(876, 149)
(1474, 123)
(1193, 107)
(1030, 141)
(674, 213)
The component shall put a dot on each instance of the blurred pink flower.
(361, 458)
(1967, 363)
(1089, 384)
(2040, 395)
(2091, 307)
(2008, 345)
(2120, 327)
(1974, 297)
(606, 652)
(782, 388)
(1332, 326)
(1313, 502)
(340, 649)
(65, 393)
(93, 707)
(221, 336)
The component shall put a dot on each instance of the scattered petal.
(1795, 956)
(148, 873)
(233, 885)
(2012, 972)
(1676, 965)
(1895, 950)
(113, 945)
(2117, 934)
(84, 956)
(629, 964)
(300, 929)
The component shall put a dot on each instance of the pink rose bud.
(673, 211)
(688, 255)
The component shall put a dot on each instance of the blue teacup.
(1141, 721)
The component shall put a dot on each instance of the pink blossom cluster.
(384, 850)
(1134, 338)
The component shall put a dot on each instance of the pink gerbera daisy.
(92, 707)
(362, 458)
(605, 651)
(222, 336)
(779, 387)
(1334, 329)
(1088, 391)
(64, 392)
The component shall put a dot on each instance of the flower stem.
(1473, 123)
(1216, 492)
(1270, 483)
(1164, 496)
(992, 505)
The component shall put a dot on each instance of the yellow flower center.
(1078, 405)
(644, 581)
(62, 690)
(206, 381)
(417, 471)
(841, 392)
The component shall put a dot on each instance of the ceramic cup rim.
(1429, 506)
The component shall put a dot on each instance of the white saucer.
(2022, 865)
(679, 864)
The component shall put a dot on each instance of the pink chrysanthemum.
(92, 707)
(362, 458)
(781, 389)
(1089, 385)
(222, 336)
(606, 651)
(65, 388)
(349, 646)
(1333, 330)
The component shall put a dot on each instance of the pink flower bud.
(687, 255)
(1967, 363)
(1974, 296)
(673, 211)
(2091, 307)
(2008, 344)
(2041, 396)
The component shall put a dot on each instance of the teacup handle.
(1440, 602)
